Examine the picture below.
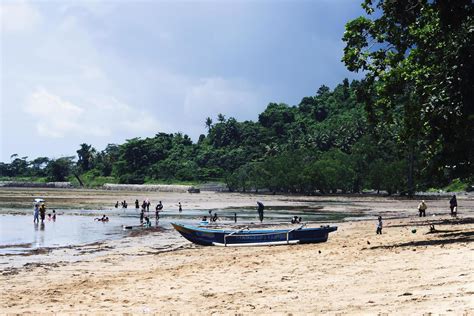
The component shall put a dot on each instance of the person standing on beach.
(260, 208)
(54, 215)
(36, 214)
(158, 209)
(137, 205)
(379, 226)
(453, 205)
(42, 212)
(180, 208)
(422, 208)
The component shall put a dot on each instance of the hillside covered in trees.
(408, 125)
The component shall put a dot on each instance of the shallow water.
(18, 233)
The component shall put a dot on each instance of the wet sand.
(355, 272)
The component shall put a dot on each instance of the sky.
(101, 72)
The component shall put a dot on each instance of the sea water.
(18, 233)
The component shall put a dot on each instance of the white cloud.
(101, 116)
(118, 116)
(211, 96)
(55, 116)
(18, 16)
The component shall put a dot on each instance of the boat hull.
(216, 237)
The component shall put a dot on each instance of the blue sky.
(103, 72)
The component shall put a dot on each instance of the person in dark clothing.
(116, 204)
(453, 205)
(137, 205)
(379, 226)
(180, 208)
(214, 218)
(148, 206)
(158, 209)
(260, 208)
(142, 214)
(42, 212)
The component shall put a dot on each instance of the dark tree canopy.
(418, 59)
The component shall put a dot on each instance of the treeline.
(323, 144)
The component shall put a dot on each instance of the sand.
(355, 272)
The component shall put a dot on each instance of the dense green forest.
(408, 125)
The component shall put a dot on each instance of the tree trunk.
(78, 179)
(411, 161)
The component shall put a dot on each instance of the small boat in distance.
(246, 237)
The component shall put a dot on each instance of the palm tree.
(221, 118)
(208, 123)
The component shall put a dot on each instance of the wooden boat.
(246, 237)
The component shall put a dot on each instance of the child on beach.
(379, 226)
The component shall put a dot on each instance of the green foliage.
(24, 179)
(330, 142)
(456, 186)
(85, 156)
(94, 178)
(417, 57)
(322, 145)
(59, 169)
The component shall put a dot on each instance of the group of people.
(453, 206)
(102, 219)
(123, 204)
(422, 207)
(39, 213)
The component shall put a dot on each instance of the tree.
(220, 118)
(19, 166)
(85, 157)
(418, 59)
(208, 123)
(39, 165)
(59, 169)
